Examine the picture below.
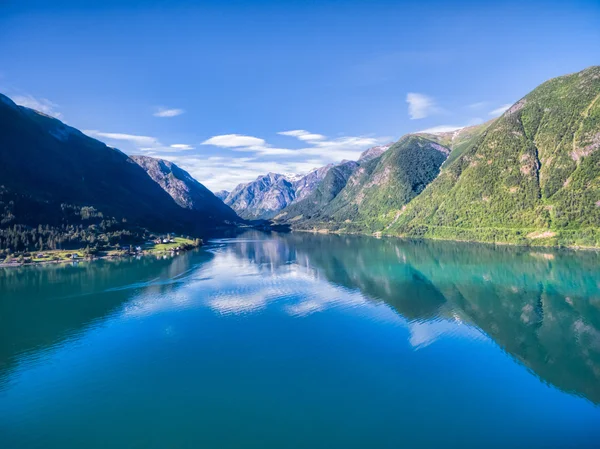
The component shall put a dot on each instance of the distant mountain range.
(531, 176)
(368, 192)
(266, 196)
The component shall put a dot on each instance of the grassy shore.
(178, 244)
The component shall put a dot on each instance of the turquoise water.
(304, 341)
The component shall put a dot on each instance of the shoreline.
(87, 259)
(176, 247)
(479, 242)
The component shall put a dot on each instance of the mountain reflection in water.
(357, 341)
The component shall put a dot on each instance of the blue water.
(304, 341)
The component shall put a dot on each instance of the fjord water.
(299, 340)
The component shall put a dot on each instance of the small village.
(161, 246)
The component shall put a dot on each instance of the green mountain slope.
(533, 176)
(335, 180)
(458, 141)
(379, 188)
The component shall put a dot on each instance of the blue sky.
(230, 90)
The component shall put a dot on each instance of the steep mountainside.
(55, 176)
(185, 190)
(458, 141)
(379, 188)
(262, 198)
(42, 157)
(335, 180)
(373, 152)
(532, 177)
(307, 184)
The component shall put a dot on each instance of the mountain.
(185, 190)
(222, 194)
(458, 141)
(264, 197)
(531, 177)
(261, 198)
(307, 184)
(378, 189)
(271, 193)
(373, 153)
(335, 180)
(53, 175)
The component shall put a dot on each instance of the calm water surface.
(302, 341)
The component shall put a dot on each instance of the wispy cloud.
(225, 172)
(181, 146)
(441, 129)
(501, 110)
(132, 138)
(246, 144)
(234, 141)
(39, 104)
(164, 112)
(327, 150)
(139, 143)
(451, 128)
(302, 135)
(420, 105)
(477, 105)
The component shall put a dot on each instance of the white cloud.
(477, 105)
(181, 146)
(225, 173)
(348, 147)
(222, 172)
(441, 129)
(451, 128)
(420, 105)
(302, 135)
(139, 143)
(39, 104)
(234, 140)
(132, 138)
(501, 110)
(163, 112)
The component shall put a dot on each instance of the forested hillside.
(532, 177)
(379, 188)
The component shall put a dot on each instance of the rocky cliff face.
(185, 190)
(307, 184)
(261, 198)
